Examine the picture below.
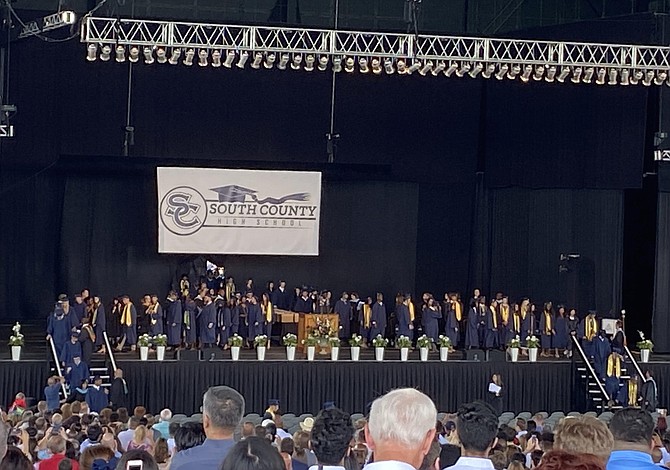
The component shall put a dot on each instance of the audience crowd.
(400, 432)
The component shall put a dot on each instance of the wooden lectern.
(307, 323)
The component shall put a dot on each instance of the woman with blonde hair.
(93, 453)
(141, 440)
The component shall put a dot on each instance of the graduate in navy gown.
(208, 323)
(491, 326)
(588, 331)
(526, 321)
(304, 304)
(281, 297)
(561, 336)
(505, 323)
(128, 323)
(79, 308)
(96, 397)
(254, 320)
(86, 340)
(156, 321)
(70, 349)
(472, 328)
(60, 323)
(343, 310)
(226, 324)
(234, 316)
(99, 323)
(366, 319)
(190, 332)
(77, 371)
(429, 318)
(453, 313)
(378, 320)
(572, 325)
(173, 320)
(619, 339)
(601, 351)
(267, 311)
(402, 315)
(613, 376)
(547, 329)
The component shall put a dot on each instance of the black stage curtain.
(304, 387)
(29, 377)
(661, 313)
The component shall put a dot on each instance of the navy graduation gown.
(561, 338)
(303, 306)
(226, 324)
(402, 314)
(86, 342)
(601, 351)
(99, 322)
(190, 328)
(472, 329)
(77, 374)
(491, 325)
(60, 328)
(546, 338)
(69, 351)
(255, 321)
(451, 325)
(378, 320)
(96, 398)
(429, 319)
(156, 321)
(79, 311)
(234, 320)
(208, 324)
(174, 321)
(343, 310)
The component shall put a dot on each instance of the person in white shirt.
(126, 436)
(477, 428)
(400, 430)
(331, 436)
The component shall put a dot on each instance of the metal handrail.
(635, 364)
(108, 347)
(58, 369)
(590, 368)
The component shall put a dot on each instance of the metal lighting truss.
(406, 53)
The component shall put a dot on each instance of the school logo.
(183, 210)
(240, 194)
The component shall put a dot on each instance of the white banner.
(243, 212)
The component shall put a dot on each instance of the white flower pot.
(16, 353)
(532, 354)
(310, 352)
(444, 354)
(144, 353)
(334, 353)
(160, 353)
(260, 353)
(235, 353)
(514, 354)
(379, 354)
(290, 353)
(424, 354)
(355, 353)
(404, 354)
(644, 355)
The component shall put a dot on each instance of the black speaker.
(474, 355)
(496, 355)
(213, 354)
(188, 355)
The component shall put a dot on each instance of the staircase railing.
(52, 348)
(590, 368)
(635, 364)
(110, 353)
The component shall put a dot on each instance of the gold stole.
(495, 316)
(547, 323)
(152, 310)
(524, 312)
(411, 311)
(367, 313)
(126, 317)
(184, 285)
(268, 311)
(230, 288)
(504, 313)
(614, 366)
(90, 331)
(632, 392)
(459, 311)
(517, 322)
(95, 316)
(591, 328)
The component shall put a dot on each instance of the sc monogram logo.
(183, 210)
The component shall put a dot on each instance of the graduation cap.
(97, 377)
(273, 402)
(233, 193)
(74, 334)
(328, 405)
(62, 298)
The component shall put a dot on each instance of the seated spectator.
(126, 436)
(331, 435)
(172, 430)
(449, 455)
(516, 465)
(141, 440)
(108, 440)
(561, 460)
(401, 429)
(148, 462)
(432, 459)
(162, 454)
(56, 446)
(248, 430)
(14, 459)
(286, 449)
(94, 453)
(584, 435)
(94, 433)
(499, 460)
(254, 453)
(303, 457)
(633, 433)
(477, 428)
(189, 435)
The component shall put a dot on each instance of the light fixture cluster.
(375, 65)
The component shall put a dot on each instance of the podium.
(308, 321)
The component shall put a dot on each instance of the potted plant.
(310, 342)
(290, 341)
(235, 343)
(355, 342)
(424, 342)
(260, 343)
(379, 343)
(532, 343)
(160, 341)
(144, 342)
(404, 343)
(513, 348)
(16, 342)
(445, 346)
(334, 348)
(645, 346)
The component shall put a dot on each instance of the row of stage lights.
(310, 62)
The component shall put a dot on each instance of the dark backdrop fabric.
(661, 315)
(181, 385)
(29, 377)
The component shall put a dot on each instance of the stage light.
(439, 68)
(349, 64)
(475, 71)
(297, 60)
(174, 57)
(105, 53)
(453, 67)
(323, 63)
(488, 71)
(244, 57)
(565, 71)
(91, 52)
(576, 75)
(588, 75)
(230, 58)
(363, 65)
(502, 71)
(427, 67)
(648, 78)
(376, 66)
(388, 67)
(465, 68)
(202, 58)
(148, 56)
(134, 54)
(402, 67)
(258, 59)
(188, 57)
(525, 76)
(283, 62)
(216, 58)
(539, 72)
(514, 71)
(660, 77)
(309, 63)
(551, 74)
(337, 64)
(120, 54)
(269, 61)
(161, 55)
(636, 77)
(416, 65)
(613, 74)
(625, 75)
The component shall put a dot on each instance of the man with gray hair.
(161, 429)
(401, 429)
(222, 411)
